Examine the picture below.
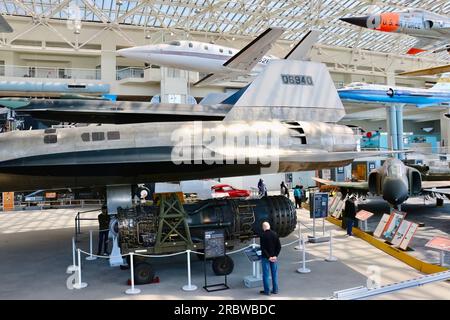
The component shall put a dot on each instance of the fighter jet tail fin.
(443, 83)
(289, 90)
(302, 49)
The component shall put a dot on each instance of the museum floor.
(35, 250)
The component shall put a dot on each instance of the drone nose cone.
(125, 52)
(357, 21)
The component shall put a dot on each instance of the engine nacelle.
(375, 183)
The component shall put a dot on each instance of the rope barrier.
(94, 255)
(161, 255)
(239, 250)
(288, 244)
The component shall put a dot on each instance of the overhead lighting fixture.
(119, 2)
(171, 34)
(148, 36)
(428, 129)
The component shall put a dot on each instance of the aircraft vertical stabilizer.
(289, 90)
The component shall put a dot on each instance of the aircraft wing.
(118, 112)
(4, 25)
(427, 71)
(363, 185)
(246, 59)
(445, 191)
(435, 184)
(427, 44)
(214, 78)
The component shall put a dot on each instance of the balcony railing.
(49, 72)
(130, 72)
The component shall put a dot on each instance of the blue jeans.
(273, 266)
(102, 241)
(349, 223)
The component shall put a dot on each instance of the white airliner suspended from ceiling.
(219, 62)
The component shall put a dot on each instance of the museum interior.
(230, 150)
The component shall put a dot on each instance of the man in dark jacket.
(103, 226)
(270, 249)
(350, 213)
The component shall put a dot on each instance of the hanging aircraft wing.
(427, 71)
(247, 58)
(360, 185)
(115, 112)
(427, 44)
(4, 25)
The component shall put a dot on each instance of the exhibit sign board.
(395, 219)
(214, 243)
(408, 236)
(363, 215)
(381, 225)
(8, 201)
(401, 232)
(439, 243)
(319, 208)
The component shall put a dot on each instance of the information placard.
(319, 208)
(439, 243)
(214, 243)
(381, 225)
(395, 219)
(408, 236)
(401, 232)
(363, 215)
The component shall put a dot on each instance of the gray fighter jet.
(395, 181)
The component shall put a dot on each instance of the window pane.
(98, 136)
(113, 135)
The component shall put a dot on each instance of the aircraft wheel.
(223, 265)
(143, 273)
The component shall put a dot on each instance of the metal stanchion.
(189, 286)
(90, 257)
(442, 259)
(72, 267)
(330, 257)
(254, 262)
(303, 269)
(79, 284)
(132, 290)
(300, 236)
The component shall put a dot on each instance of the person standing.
(298, 196)
(284, 190)
(262, 189)
(350, 214)
(270, 249)
(103, 226)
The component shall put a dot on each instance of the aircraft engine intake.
(375, 183)
(415, 181)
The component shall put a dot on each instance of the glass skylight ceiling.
(241, 18)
